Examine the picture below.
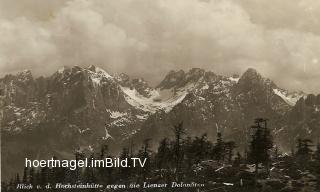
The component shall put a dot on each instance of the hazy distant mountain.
(80, 108)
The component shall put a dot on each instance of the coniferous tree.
(219, 148)
(317, 165)
(189, 150)
(197, 149)
(179, 131)
(53, 173)
(17, 180)
(44, 176)
(38, 176)
(202, 146)
(304, 151)
(76, 174)
(102, 171)
(260, 144)
(89, 173)
(32, 178)
(124, 172)
(229, 147)
(104, 151)
(25, 175)
(146, 155)
(164, 154)
(193, 152)
(317, 153)
(276, 153)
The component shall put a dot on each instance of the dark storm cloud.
(149, 38)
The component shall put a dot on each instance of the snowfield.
(149, 104)
(290, 99)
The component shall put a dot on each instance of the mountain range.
(81, 108)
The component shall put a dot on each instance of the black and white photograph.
(160, 95)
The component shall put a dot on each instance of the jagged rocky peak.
(64, 69)
(25, 74)
(126, 81)
(22, 78)
(254, 84)
(180, 78)
(92, 68)
(171, 79)
(25, 77)
(95, 69)
(123, 79)
(251, 75)
(200, 76)
(94, 73)
(74, 69)
(252, 78)
(98, 72)
(64, 74)
(139, 84)
(312, 100)
(195, 73)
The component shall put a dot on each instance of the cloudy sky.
(280, 38)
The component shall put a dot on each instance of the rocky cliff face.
(302, 120)
(227, 104)
(80, 108)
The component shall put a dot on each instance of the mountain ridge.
(80, 108)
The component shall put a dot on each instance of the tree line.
(185, 158)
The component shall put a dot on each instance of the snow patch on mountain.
(96, 81)
(121, 121)
(97, 75)
(290, 99)
(234, 79)
(153, 103)
(116, 114)
(81, 131)
(142, 117)
(103, 73)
